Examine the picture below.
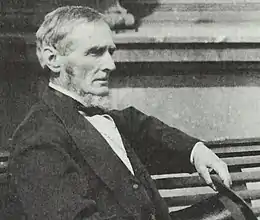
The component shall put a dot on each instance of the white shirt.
(106, 127)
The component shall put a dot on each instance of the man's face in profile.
(90, 62)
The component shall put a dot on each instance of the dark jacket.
(63, 168)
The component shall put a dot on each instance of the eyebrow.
(110, 47)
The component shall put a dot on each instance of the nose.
(108, 62)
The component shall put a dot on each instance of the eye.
(111, 50)
(96, 51)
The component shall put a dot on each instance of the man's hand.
(206, 160)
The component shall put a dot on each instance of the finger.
(204, 173)
(222, 170)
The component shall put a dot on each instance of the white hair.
(58, 24)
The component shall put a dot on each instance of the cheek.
(83, 71)
(76, 69)
(87, 65)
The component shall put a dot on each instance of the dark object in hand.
(226, 205)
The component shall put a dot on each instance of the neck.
(66, 91)
(88, 100)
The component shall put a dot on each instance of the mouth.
(102, 80)
(102, 77)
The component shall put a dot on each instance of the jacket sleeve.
(46, 179)
(163, 149)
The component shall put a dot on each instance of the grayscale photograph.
(130, 110)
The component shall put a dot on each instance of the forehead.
(86, 35)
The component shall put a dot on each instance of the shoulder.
(40, 125)
(129, 115)
(125, 113)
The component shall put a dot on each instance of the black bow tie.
(90, 111)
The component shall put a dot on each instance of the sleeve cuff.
(193, 150)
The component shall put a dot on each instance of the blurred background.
(193, 64)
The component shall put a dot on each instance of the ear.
(51, 57)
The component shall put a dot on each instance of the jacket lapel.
(96, 151)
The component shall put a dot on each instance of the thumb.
(204, 173)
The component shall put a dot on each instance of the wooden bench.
(182, 190)
(243, 159)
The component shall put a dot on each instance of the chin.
(103, 91)
(101, 101)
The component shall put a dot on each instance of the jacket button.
(135, 186)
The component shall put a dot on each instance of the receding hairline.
(59, 23)
(64, 16)
(90, 24)
(71, 26)
(69, 40)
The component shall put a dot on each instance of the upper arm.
(160, 147)
(141, 128)
(48, 181)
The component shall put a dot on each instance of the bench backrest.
(243, 159)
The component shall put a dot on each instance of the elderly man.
(73, 157)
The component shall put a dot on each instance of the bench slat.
(191, 199)
(243, 161)
(256, 210)
(234, 142)
(237, 149)
(196, 181)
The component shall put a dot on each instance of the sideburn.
(70, 74)
(69, 70)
